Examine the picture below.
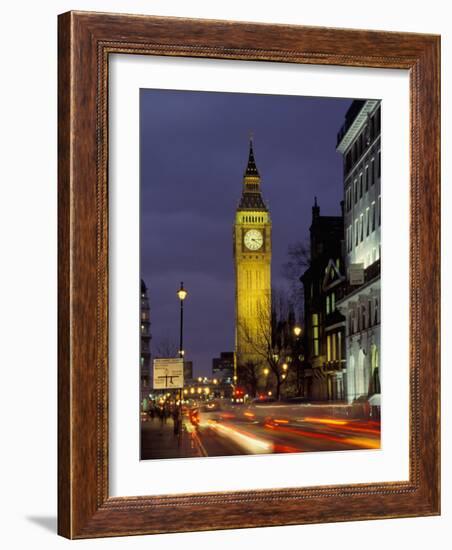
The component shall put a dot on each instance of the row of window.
(253, 219)
(364, 225)
(370, 131)
(364, 316)
(333, 341)
(315, 334)
(334, 346)
(361, 184)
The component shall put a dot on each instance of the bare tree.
(269, 340)
(249, 377)
(297, 263)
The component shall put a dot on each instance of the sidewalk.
(159, 441)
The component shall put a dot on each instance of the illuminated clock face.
(253, 239)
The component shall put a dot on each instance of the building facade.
(223, 367)
(252, 261)
(324, 337)
(145, 346)
(359, 141)
(188, 371)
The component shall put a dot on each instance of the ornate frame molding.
(85, 42)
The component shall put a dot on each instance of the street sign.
(168, 374)
(356, 274)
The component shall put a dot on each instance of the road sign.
(168, 374)
(356, 274)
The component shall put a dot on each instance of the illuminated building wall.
(359, 143)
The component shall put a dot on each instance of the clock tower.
(252, 259)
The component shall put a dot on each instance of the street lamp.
(297, 330)
(181, 294)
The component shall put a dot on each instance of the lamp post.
(181, 294)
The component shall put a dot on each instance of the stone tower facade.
(252, 260)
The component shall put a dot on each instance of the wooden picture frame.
(86, 40)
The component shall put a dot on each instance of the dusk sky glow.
(194, 150)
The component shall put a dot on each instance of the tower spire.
(251, 168)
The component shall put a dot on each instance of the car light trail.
(247, 441)
(328, 421)
(365, 443)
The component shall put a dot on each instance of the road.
(221, 430)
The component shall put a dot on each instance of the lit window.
(333, 301)
(328, 305)
(328, 347)
(315, 333)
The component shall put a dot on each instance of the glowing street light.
(266, 371)
(297, 330)
(181, 294)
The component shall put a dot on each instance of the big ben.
(252, 260)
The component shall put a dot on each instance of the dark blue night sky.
(194, 149)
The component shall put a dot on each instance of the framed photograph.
(248, 275)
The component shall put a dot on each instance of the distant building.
(359, 143)
(324, 324)
(188, 371)
(223, 366)
(145, 349)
